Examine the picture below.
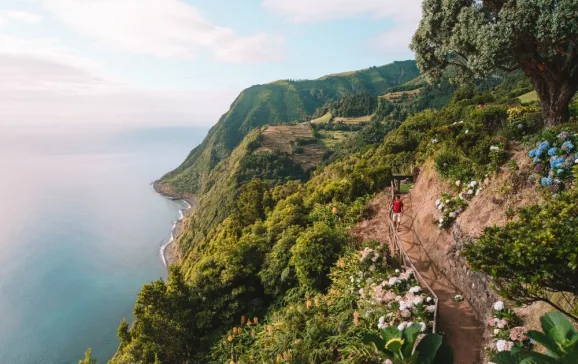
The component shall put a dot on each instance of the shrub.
(532, 258)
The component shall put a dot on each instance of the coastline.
(168, 251)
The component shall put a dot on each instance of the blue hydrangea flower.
(552, 151)
(543, 146)
(546, 181)
(557, 163)
(536, 160)
(559, 171)
(567, 145)
(533, 153)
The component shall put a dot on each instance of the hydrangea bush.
(451, 207)
(554, 157)
(507, 329)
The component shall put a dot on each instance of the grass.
(356, 120)
(332, 138)
(322, 120)
(529, 97)
(392, 96)
(405, 187)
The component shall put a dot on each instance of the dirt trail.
(455, 319)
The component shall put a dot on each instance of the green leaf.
(505, 357)
(428, 347)
(374, 339)
(546, 342)
(444, 355)
(394, 345)
(410, 334)
(390, 333)
(558, 328)
(531, 357)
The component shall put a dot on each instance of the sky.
(179, 62)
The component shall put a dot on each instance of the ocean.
(80, 233)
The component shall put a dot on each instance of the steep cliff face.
(507, 190)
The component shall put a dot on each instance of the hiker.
(397, 208)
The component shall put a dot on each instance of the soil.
(455, 319)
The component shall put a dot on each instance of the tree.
(531, 259)
(476, 38)
(123, 333)
(87, 357)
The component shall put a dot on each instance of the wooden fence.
(401, 255)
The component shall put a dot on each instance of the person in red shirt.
(397, 208)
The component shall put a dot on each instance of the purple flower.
(563, 135)
(539, 168)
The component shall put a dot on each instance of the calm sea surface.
(80, 231)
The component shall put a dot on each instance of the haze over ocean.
(80, 234)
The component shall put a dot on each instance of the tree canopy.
(478, 37)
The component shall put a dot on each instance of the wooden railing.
(401, 255)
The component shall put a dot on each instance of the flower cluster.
(374, 258)
(497, 154)
(553, 160)
(507, 329)
(450, 207)
(400, 301)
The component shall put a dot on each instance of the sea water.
(80, 233)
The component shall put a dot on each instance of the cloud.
(404, 16)
(43, 83)
(23, 16)
(161, 28)
(2, 21)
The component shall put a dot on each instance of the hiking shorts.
(397, 217)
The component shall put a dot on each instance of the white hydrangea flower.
(438, 201)
(417, 300)
(470, 192)
(415, 289)
(423, 326)
(397, 271)
(458, 183)
(501, 345)
(499, 305)
(428, 299)
(372, 268)
(467, 131)
(452, 215)
(441, 220)
(402, 326)
(381, 319)
(473, 184)
(447, 201)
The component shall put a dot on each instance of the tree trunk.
(554, 98)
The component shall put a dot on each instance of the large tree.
(478, 37)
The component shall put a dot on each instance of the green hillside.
(274, 103)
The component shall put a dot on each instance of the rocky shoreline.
(170, 254)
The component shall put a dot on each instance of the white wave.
(181, 217)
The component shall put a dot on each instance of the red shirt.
(397, 205)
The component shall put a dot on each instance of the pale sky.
(171, 62)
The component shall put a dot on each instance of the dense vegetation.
(274, 103)
(270, 271)
(476, 38)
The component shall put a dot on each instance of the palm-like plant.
(399, 346)
(559, 337)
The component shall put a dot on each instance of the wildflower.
(415, 289)
(501, 324)
(458, 183)
(496, 332)
(567, 145)
(501, 345)
(430, 308)
(453, 215)
(230, 339)
(397, 271)
(546, 181)
(499, 305)
(494, 148)
(518, 333)
(461, 122)
(470, 192)
(552, 151)
(372, 268)
(381, 319)
(434, 140)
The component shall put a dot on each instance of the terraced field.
(394, 96)
(284, 138)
